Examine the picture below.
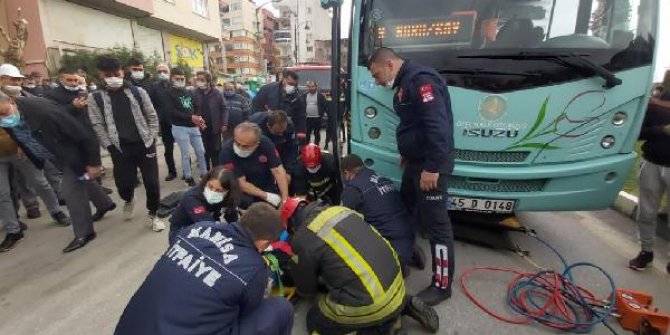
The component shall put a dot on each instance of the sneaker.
(156, 224)
(190, 182)
(11, 240)
(129, 210)
(434, 296)
(171, 176)
(62, 219)
(424, 314)
(33, 213)
(642, 261)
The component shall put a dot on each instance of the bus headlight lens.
(374, 133)
(607, 142)
(619, 118)
(370, 112)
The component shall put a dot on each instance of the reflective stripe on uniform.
(384, 302)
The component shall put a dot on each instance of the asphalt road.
(43, 291)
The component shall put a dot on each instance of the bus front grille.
(491, 156)
(505, 186)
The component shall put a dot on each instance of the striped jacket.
(103, 123)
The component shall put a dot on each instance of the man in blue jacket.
(277, 127)
(426, 145)
(212, 280)
(283, 95)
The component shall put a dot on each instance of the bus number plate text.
(481, 205)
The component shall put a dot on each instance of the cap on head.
(311, 155)
(9, 70)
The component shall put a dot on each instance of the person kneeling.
(365, 287)
(218, 193)
(212, 280)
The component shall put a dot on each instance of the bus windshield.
(320, 76)
(465, 39)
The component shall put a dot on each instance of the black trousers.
(319, 323)
(168, 145)
(430, 209)
(132, 157)
(212, 143)
(314, 126)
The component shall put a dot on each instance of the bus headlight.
(370, 112)
(619, 118)
(374, 133)
(607, 142)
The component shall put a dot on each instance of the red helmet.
(288, 209)
(311, 155)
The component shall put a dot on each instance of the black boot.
(424, 314)
(418, 257)
(440, 288)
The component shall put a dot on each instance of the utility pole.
(335, 75)
(295, 33)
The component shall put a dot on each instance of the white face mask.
(114, 82)
(71, 88)
(137, 75)
(12, 91)
(289, 89)
(92, 88)
(53, 85)
(242, 153)
(213, 197)
(314, 169)
(31, 86)
(163, 76)
(178, 84)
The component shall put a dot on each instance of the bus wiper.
(476, 72)
(566, 59)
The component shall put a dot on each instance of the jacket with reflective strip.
(359, 267)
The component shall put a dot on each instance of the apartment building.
(301, 24)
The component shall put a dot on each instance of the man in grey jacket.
(126, 124)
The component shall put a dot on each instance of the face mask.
(53, 85)
(314, 169)
(31, 86)
(10, 121)
(163, 76)
(114, 82)
(242, 153)
(81, 87)
(71, 88)
(213, 197)
(389, 84)
(12, 90)
(201, 84)
(92, 88)
(178, 84)
(289, 89)
(229, 94)
(137, 75)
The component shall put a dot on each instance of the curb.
(626, 204)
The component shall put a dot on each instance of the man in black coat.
(283, 95)
(75, 152)
(160, 97)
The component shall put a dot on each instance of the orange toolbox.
(636, 313)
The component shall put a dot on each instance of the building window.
(240, 46)
(225, 23)
(309, 10)
(310, 49)
(246, 70)
(200, 7)
(238, 33)
(235, 6)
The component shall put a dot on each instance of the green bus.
(548, 96)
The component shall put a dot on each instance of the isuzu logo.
(491, 132)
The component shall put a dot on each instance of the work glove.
(273, 199)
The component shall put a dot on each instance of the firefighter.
(277, 127)
(365, 289)
(321, 175)
(212, 280)
(375, 196)
(425, 142)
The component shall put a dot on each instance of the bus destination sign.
(454, 29)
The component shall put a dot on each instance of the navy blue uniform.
(425, 141)
(382, 207)
(255, 168)
(286, 144)
(212, 280)
(194, 208)
(273, 97)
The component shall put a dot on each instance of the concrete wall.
(181, 13)
(149, 41)
(68, 25)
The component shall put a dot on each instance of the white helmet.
(10, 70)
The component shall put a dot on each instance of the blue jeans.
(187, 137)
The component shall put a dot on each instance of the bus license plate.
(481, 205)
